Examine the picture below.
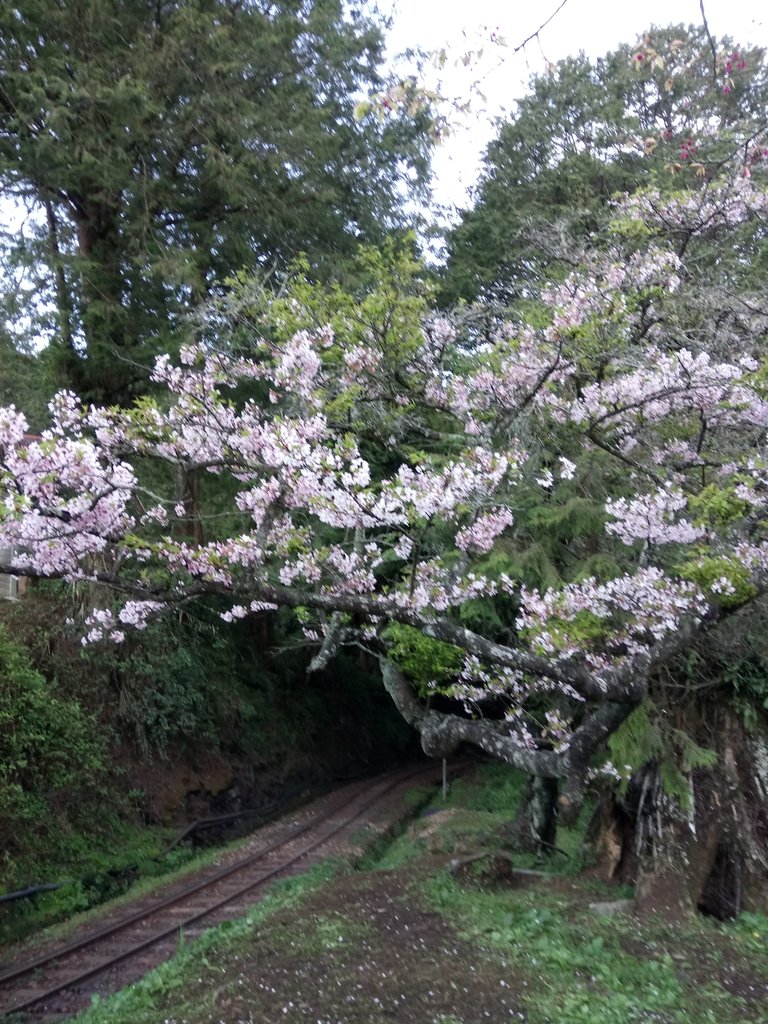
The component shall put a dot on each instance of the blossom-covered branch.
(361, 528)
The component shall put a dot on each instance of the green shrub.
(52, 759)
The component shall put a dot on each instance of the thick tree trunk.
(63, 297)
(107, 374)
(709, 853)
(534, 828)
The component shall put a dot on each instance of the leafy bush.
(163, 684)
(52, 758)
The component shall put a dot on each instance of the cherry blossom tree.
(371, 494)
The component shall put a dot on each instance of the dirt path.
(366, 953)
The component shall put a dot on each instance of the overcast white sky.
(594, 26)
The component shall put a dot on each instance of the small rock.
(609, 907)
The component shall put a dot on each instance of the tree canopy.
(671, 437)
(529, 520)
(665, 112)
(169, 145)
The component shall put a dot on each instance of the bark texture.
(709, 853)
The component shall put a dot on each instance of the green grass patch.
(582, 968)
(491, 787)
(322, 932)
(169, 985)
(476, 806)
(476, 814)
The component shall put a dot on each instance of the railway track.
(58, 983)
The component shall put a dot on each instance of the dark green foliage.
(168, 145)
(163, 684)
(585, 132)
(731, 671)
(648, 736)
(539, 170)
(52, 762)
(192, 682)
(26, 381)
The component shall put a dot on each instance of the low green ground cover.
(91, 875)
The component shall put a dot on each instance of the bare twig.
(712, 46)
(535, 35)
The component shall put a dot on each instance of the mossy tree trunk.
(707, 851)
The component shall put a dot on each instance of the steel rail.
(94, 938)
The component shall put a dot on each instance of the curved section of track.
(62, 981)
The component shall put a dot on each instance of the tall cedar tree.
(169, 144)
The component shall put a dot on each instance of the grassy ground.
(406, 940)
